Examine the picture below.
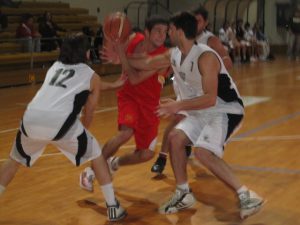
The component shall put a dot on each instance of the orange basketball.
(117, 27)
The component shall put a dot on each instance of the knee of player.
(146, 155)
(125, 135)
(175, 138)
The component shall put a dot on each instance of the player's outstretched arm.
(104, 85)
(92, 101)
(161, 61)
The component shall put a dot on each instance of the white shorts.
(210, 130)
(78, 145)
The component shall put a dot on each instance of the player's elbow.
(211, 101)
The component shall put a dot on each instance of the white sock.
(2, 189)
(185, 187)
(109, 194)
(242, 189)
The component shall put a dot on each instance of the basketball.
(117, 27)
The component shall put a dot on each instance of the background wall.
(100, 8)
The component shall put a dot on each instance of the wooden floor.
(265, 154)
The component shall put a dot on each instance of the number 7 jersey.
(59, 101)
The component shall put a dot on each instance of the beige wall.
(275, 35)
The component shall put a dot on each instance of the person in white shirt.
(214, 109)
(52, 117)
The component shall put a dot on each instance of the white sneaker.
(112, 164)
(115, 212)
(250, 203)
(180, 200)
(86, 179)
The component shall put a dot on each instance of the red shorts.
(142, 119)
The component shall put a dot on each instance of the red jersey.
(148, 91)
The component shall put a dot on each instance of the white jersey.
(188, 82)
(204, 36)
(58, 103)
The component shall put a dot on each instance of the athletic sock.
(163, 155)
(185, 187)
(242, 189)
(109, 194)
(2, 189)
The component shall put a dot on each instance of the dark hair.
(186, 22)
(200, 10)
(73, 49)
(154, 20)
(26, 17)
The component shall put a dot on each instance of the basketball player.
(137, 102)
(52, 118)
(204, 37)
(214, 111)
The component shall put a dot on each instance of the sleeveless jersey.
(204, 36)
(57, 104)
(147, 91)
(189, 84)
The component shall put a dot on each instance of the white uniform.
(204, 36)
(53, 117)
(211, 127)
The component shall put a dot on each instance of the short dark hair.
(186, 22)
(200, 10)
(154, 20)
(73, 49)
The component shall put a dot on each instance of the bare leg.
(8, 171)
(218, 167)
(112, 146)
(138, 156)
(101, 170)
(178, 140)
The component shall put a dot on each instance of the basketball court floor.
(265, 154)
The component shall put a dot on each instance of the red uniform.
(137, 103)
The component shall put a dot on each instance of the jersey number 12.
(61, 82)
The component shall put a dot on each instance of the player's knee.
(125, 135)
(175, 139)
(146, 155)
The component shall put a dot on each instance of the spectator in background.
(250, 40)
(48, 30)
(91, 35)
(98, 42)
(3, 21)
(295, 29)
(240, 36)
(262, 42)
(10, 3)
(29, 36)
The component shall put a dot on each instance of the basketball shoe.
(115, 212)
(86, 179)
(180, 200)
(250, 203)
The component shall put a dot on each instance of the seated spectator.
(240, 36)
(48, 30)
(3, 21)
(9, 3)
(262, 43)
(29, 37)
(98, 42)
(90, 34)
(250, 40)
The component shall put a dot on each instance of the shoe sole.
(255, 210)
(119, 218)
(84, 187)
(176, 210)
